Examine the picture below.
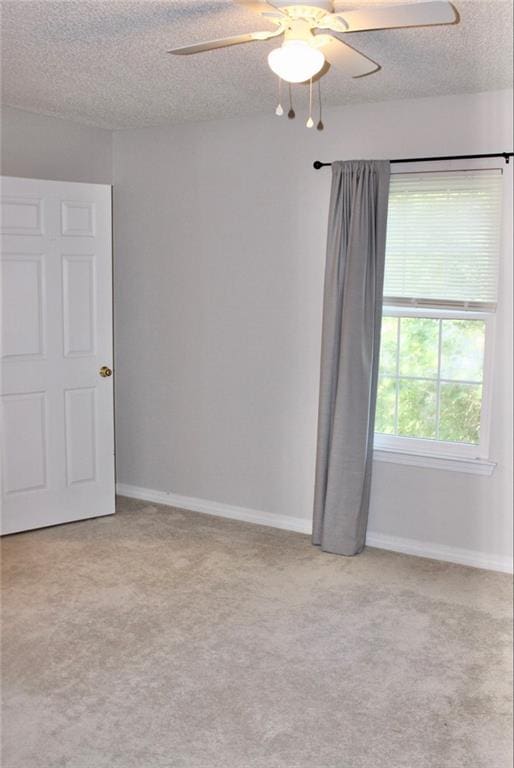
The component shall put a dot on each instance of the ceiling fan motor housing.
(312, 8)
(299, 29)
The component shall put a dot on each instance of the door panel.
(81, 429)
(25, 435)
(78, 280)
(57, 438)
(22, 299)
(21, 215)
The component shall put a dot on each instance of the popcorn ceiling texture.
(104, 62)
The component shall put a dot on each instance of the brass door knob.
(105, 371)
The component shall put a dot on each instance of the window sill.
(449, 463)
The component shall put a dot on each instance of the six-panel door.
(57, 436)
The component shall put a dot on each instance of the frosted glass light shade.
(296, 61)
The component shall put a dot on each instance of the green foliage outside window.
(430, 383)
(460, 412)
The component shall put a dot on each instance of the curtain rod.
(506, 156)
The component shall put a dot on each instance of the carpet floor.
(158, 638)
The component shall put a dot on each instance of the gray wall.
(219, 251)
(40, 147)
(220, 237)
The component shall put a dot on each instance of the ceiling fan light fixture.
(296, 61)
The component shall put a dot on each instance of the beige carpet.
(166, 639)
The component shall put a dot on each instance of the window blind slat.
(443, 238)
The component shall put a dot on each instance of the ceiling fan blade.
(211, 45)
(346, 59)
(394, 16)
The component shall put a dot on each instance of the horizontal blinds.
(443, 237)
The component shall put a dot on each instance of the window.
(439, 302)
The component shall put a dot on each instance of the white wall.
(219, 243)
(40, 147)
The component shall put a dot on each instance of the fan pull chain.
(320, 125)
(279, 110)
(310, 121)
(291, 114)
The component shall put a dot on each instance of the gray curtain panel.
(352, 314)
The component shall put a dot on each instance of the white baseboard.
(285, 522)
(300, 525)
(439, 552)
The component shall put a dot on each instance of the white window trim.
(435, 461)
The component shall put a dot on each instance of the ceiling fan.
(309, 42)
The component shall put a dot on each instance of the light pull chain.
(310, 121)
(279, 110)
(291, 114)
(320, 125)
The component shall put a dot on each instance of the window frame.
(438, 453)
(443, 448)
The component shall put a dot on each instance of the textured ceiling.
(104, 62)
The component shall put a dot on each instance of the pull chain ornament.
(320, 125)
(291, 114)
(279, 110)
(310, 121)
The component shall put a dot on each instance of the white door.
(57, 409)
